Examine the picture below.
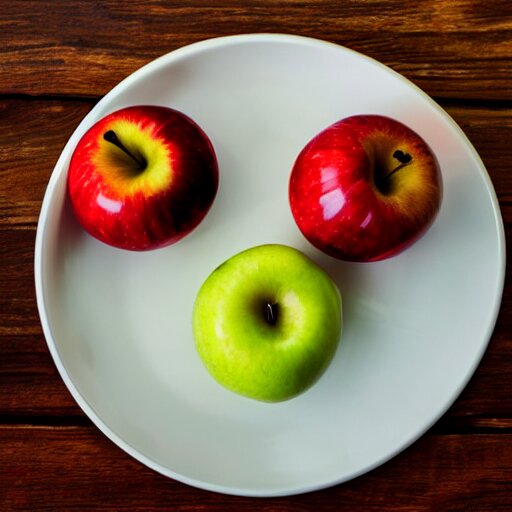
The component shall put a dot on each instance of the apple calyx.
(271, 312)
(111, 136)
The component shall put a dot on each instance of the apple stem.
(111, 136)
(389, 174)
(403, 158)
(271, 313)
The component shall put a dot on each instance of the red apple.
(365, 188)
(142, 177)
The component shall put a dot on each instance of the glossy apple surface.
(365, 188)
(267, 322)
(142, 177)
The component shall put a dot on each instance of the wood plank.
(17, 296)
(490, 132)
(30, 384)
(43, 469)
(461, 48)
(33, 135)
(32, 139)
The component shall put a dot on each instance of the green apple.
(267, 322)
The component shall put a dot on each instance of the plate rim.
(39, 279)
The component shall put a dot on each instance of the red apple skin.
(152, 212)
(340, 200)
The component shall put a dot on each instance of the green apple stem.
(271, 313)
(111, 136)
(403, 158)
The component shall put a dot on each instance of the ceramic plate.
(118, 324)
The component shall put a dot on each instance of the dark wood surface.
(56, 60)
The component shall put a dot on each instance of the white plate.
(118, 324)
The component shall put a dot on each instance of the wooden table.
(57, 59)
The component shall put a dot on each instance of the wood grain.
(67, 467)
(460, 48)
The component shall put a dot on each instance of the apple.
(365, 188)
(267, 322)
(142, 177)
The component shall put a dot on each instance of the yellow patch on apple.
(122, 172)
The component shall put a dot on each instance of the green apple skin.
(241, 349)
